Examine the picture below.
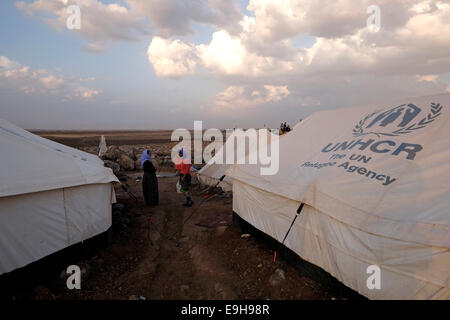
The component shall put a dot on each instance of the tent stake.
(125, 188)
(290, 227)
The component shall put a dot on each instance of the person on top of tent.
(150, 181)
(183, 165)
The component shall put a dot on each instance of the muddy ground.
(176, 252)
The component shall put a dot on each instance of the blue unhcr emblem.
(396, 121)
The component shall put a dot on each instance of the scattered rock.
(280, 273)
(155, 236)
(137, 153)
(126, 163)
(221, 293)
(129, 159)
(115, 167)
(129, 152)
(120, 219)
(220, 230)
(133, 297)
(121, 176)
(137, 164)
(184, 288)
(260, 265)
(184, 239)
(118, 206)
(277, 277)
(245, 236)
(43, 293)
(113, 153)
(218, 287)
(85, 270)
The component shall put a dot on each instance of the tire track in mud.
(148, 278)
(185, 267)
(172, 277)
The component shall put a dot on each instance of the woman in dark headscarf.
(149, 182)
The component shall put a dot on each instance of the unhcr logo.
(397, 121)
(394, 122)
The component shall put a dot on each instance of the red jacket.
(185, 167)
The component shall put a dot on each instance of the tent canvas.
(214, 169)
(102, 148)
(374, 181)
(51, 196)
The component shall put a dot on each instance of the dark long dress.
(150, 184)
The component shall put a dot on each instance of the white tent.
(212, 171)
(215, 169)
(102, 148)
(51, 196)
(375, 184)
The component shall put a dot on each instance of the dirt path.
(183, 267)
(154, 255)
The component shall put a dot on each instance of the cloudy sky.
(158, 64)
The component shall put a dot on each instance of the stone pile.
(126, 158)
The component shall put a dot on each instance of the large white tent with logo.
(51, 196)
(374, 181)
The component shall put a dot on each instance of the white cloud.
(276, 93)
(309, 102)
(96, 47)
(51, 82)
(228, 55)
(5, 63)
(241, 97)
(224, 53)
(417, 45)
(422, 7)
(281, 19)
(15, 75)
(175, 17)
(105, 23)
(172, 59)
(101, 24)
(86, 93)
(427, 78)
(347, 62)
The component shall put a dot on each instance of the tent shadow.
(20, 283)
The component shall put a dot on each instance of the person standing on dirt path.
(184, 167)
(150, 181)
